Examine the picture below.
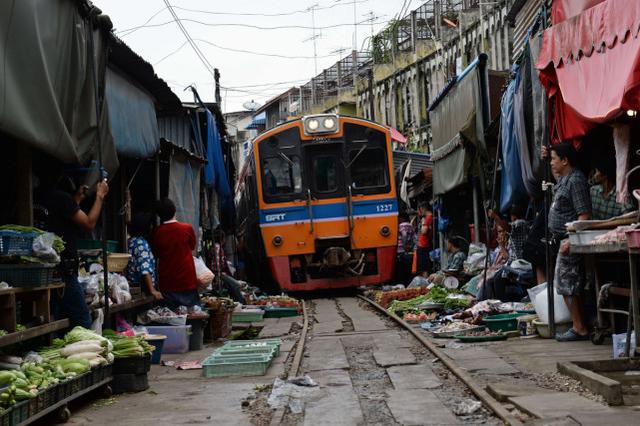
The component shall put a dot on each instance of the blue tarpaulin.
(215, 172)
(132, 118)
(512, 187)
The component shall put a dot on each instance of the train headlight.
(329, 123)
(320, 124)
(277, 241)
(385, 231)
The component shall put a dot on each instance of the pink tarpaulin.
(590, 67)
(561, 10)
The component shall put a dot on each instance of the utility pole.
(371, 96)
(216, 78)
(314, 37)
(355, 25)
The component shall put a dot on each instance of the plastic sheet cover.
(512, 186)
(184, 189)
(132, 116)
(47, 96)
(215, 173)
(456, 120)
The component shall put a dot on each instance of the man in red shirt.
(173, 243)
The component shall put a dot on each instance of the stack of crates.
(241, 358)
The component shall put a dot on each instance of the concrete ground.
(369, 373)
(178, 397)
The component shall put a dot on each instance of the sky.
(224, 28)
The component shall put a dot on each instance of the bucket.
(177, 341)
(196, 339)
(545, 333)
(157, 341)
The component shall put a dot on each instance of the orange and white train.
(317, 206)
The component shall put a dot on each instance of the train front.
(328, 207)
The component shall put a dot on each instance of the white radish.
(77, 348)
(85, 355)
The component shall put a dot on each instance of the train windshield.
(282, 176)
(325, 172)
(368, 169)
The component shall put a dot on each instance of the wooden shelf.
(130, 305)
(30, 333)
(17, 290)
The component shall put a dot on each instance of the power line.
(256, 27)
(208, 12)
(195, 48)
(230, 49)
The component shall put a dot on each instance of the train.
(317, 205)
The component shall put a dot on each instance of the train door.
(326, 180)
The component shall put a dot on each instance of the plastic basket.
(35, 275)
(14, 243)
(256, 365)
(220, 324)
(502, 322)
(19, 412)
(137, 365)
(117, 262)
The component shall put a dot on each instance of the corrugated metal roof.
(419, 161)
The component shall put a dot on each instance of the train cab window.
(369, 169)
(325, 173)
(281, 177)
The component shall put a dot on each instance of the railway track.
(374, 368)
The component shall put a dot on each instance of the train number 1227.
(384, 208)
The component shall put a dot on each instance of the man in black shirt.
(65, 218)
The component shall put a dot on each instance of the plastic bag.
(43, 248)
(418, 281)
(538, 296)
(204, 274)
(619, 343)
(97, 323)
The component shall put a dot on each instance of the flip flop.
(571, 336)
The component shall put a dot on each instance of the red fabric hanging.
(590, 66)
(561, 10)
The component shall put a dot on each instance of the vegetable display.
(398, 306)
(387, 297)
(128, 346)
(58, 243)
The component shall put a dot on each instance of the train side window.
(281, 176)
(368, 168)
(325, 173)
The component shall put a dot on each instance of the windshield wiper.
(287, 159)
(356, 156)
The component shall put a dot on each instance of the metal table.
(613, 253)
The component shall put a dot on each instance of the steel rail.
(495, 406)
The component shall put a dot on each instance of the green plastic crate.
(280, 312)
(254, 343)
(246, 351)
(247, 316)
(256, 365)
(112, 246)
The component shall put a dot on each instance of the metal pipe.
(103, 211)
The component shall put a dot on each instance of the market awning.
(457, 119)
(590, 66)
(258, 120)
(132, 117)
(396, 136)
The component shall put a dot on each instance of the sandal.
(571, 336)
